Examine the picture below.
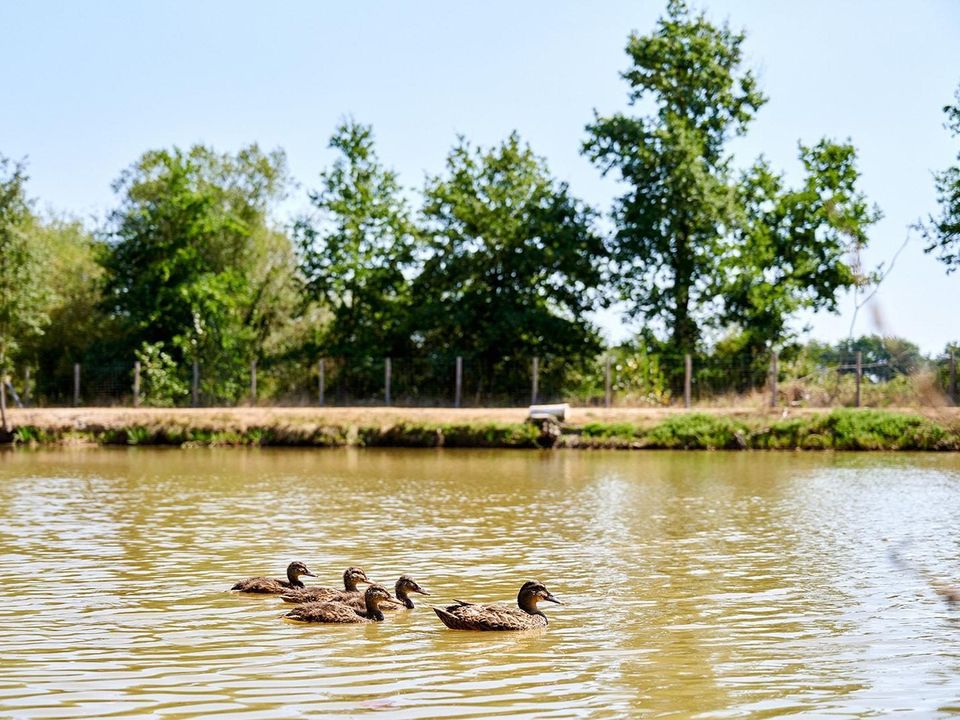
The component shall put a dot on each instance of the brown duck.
(351, 578)
(273, 585)
(404, 586)
(375, 597)
(469, 616)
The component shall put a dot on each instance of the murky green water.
(697, 584)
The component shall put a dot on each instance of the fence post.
(136, 383)
(687, 379)
(195, 387)
(253, 382)
(387, 372)
(458, 384)
(859, 376)
(535, 389)
(76, 384)
(606, 383)
(953, 378)
(26, 386)
(321, 379)
(774, 356)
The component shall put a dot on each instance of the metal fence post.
(859, 377)
(458, 384)
(387, 372)
(76, 384)
(535, 389)
(195, 386)
(607, 392)
(321, 379)
(136, 383)
(687, 380)
(774, 356)
(253, 382)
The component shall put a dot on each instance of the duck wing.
(319, 594)
(325, 612)
(262, 585)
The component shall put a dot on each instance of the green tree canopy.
(512, 264)
(193, 261)
(357, 248)
(793, 248)
(943, 230)
(696, 246)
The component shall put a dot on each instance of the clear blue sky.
(89, 86)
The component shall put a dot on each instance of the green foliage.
(791, 248)
(512, 265)
(356, 250)
(694, 246)
(670, 221)
(193, 262)
(697, 431)
(161, 382)
(23, 292)
(943, 231)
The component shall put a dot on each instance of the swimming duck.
(273, 585)
(469, 616)
(404, 586)
(351, 577)
(375, 597)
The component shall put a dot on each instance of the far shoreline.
(711, 428)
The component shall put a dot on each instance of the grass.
(842, 429)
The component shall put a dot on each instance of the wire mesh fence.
(435, 381)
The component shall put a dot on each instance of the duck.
(352, 576)
(471, 616)
(275, 586)
(401, 590)
(331, 611)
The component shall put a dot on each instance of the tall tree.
(793, 249)
(513, 262)
(193, 257)
(22, 292)
(943, 231)
(679, 202)
(356, 249)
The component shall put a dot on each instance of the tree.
(943, 231)
(697, 246)
(22, 301)
(671, 220)
(356, 250)
(793, 249)
(512, 263)
(193, 261)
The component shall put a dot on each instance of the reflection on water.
(706, 584)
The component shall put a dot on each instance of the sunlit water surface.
(705, 585)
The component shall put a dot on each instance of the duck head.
(374, 597)
(352, 577)
(295, 570)
(406, 585)
(532, 592)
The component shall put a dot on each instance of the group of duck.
(331, 605)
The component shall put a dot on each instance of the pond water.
(708, 585)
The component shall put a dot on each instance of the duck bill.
(550, 598)
(420, 590)
(309, 574)
(391, 601)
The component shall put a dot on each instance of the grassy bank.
(842, 429)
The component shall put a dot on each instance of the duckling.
(375, 597)
(273, 585)
(351, 577)
(469, 616)
(404, 586)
